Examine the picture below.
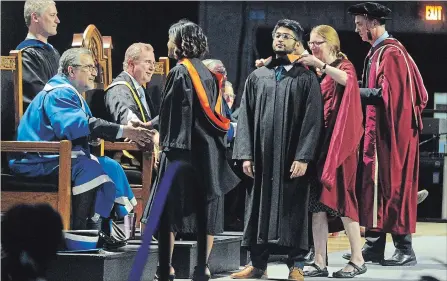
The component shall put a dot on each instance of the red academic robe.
(391, 145)
(343, 120)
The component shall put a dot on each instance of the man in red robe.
(394, 95)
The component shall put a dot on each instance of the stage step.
(101, 266)
(224, 257)
(243, 253)
(276, 253)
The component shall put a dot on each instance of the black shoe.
(367, 256)
(351, 274)
(316, 273)
(309, 259)
(401, 259)
(109, 243)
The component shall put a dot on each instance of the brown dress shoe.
(250, 272)
(296, 274)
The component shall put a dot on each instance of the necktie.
(143, 101)
(279, 72)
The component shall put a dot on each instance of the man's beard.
(283, 52)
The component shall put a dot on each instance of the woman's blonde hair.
(331, 36)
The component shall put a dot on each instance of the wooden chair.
(101, 47)
(21, 190)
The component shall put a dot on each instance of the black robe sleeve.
(312, 121)
(100, 128)
(243, 146)
(371, 95)
(176, 113)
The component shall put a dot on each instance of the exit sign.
(433, 13)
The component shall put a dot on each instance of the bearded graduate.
(279, 126)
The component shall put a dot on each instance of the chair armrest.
(124, 146)
(63, 148)
(32, 146)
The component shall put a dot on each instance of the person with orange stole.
(192, 130)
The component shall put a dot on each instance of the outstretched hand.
(298, 169)
(138, 123)
(248, 168)
(310, 60)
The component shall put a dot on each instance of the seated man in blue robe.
(59, 112)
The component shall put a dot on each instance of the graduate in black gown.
(192, 130)
(279, 126)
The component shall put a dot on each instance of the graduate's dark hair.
(189, 39)
(292, 25)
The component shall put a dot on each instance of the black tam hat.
(371, 10)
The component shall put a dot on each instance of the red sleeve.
(348, 127)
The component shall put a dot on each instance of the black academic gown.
(40, 62)
(278, 122)
(187, 135)
(119, 100)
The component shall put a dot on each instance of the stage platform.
(430, 246)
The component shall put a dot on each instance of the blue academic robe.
(57, 113)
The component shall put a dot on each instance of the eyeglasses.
(90, 67)
(315, 43)
(284, 36)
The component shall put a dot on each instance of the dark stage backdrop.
(127, 22)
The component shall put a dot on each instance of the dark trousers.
(260, 253)
(375, 242)
(83, 208)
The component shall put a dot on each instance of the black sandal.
(316, 273)
(205, 277)
(171, 277)
(351, 274)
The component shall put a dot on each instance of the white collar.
(135, 83)
(287, 67)
(31, 36)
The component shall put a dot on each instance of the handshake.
(141, 133)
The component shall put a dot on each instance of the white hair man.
(59, 112)
(126, 99)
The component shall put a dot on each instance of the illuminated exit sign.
(433, 13)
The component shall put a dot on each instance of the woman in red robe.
(334, 194)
